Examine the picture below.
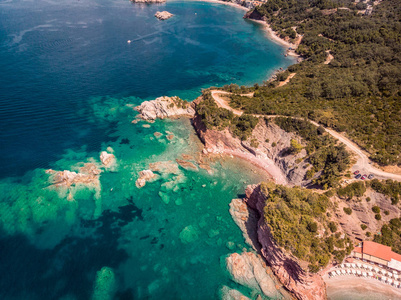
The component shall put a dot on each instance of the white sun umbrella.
(390, 281)
(359, 265)
(348, 265)
(396, 284)
(343, 271)
(342, 266)
(338, 272)
(376, 270)
(384, 278)
(353, 265)
(353, 272)
(364, 266)
(364, 274)
(370, 274)
(395, 272)
(359, 272)
(370, 268)
(395, 276)
(348, 271)
(389, 274)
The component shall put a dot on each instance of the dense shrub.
(293, 216)
(347, 210)
(355, 189)
(333, 227)
(376, 209)
(390, 235)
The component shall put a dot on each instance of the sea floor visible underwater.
(69, 82)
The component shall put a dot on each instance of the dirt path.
(329, 57)
(223, 103)
(363, 164)
(287, 80)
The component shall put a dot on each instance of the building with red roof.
(378, 253)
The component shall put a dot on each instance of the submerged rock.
(165, 167)
(144, 176)
(165, 107)
(231, 294)
(163, 15)
(189, 234)
(187, 165)
(104, 286)
(108, 159)
(250, 270)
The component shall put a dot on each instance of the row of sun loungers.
(367, 271)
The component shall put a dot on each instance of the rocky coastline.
(247, 213)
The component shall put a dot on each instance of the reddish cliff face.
(303, 285)
(285, 168)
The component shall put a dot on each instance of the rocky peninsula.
(163, 15)
(165, 107)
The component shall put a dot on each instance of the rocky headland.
(165, 107)
(287, 268)
(163, 15)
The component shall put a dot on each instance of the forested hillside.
(359, 91)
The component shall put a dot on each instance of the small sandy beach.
(224, 3)
(270, 33)
(358, 288)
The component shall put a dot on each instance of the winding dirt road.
(363, 164)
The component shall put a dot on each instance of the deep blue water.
(55, 56)
(67, 74)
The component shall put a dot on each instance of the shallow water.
(68, 83)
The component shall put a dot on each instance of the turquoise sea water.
(68, 82)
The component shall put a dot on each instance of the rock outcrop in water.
(145, 176)
(165, 107)
(163, 15)
(108, 159)
(302, 284)
(87, 175)
(231, 294)
(249, 270)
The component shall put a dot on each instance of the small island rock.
(163, 15)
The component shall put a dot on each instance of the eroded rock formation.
(302, 284)
(163, 15)
(87, 175)
(250, 270)
(165, 107)
(286, 168)
(145, 176)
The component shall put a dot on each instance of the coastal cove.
(71, 81)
